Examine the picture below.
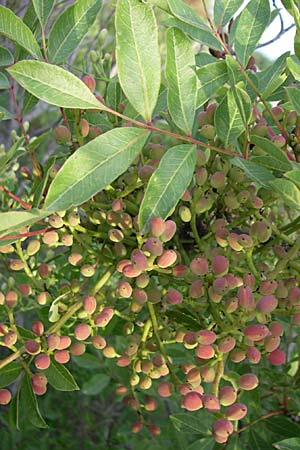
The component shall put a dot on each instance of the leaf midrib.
(78, 181)
(152, 210)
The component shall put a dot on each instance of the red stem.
(27, 234)
(15, 197)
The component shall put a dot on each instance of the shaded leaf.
(137, 54)
(29, 403)
(255, 172)
(16, 30)
(6, 58)
(211, 77)
(54, 85)
(288, 444)
(60, 378)
(203, 444)
(9, 373)
(168, 183)
(182, 80)
(294, 175)
(70, 28)
(228, 118)
(288, 191)
(89, 170)
(5, 115)
(4, 83)
(187, 423)
(87, 361)
(202, 34)
(96, 384)
(272, 150)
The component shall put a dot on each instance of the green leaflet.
(288, 191)
(43, 9)
(60, 378)
(200, 34)
(228, 118)
(54, 85)
(14, 220)
(211, 77)
(251, 24)
(168, 183)
(16, 30)
(182, 80)
(70, 28)
(6, 58)
(294, 97)
(29, 403)
(89, 170)
(256, 173)
(137, 53)
(224, 11)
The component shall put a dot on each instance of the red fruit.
(170, 230)
(175, 297)
(10, 338)
(50, 237)
(5, 396)
(53, 341)
(211, 402)
(192, 401)
(38, 328)
(222, 428)
(276, 329)
(89, 304)
(99, 342)
(205, 351)
(165, 389)
(39, 390)
(42, 361)
(62, 134)
(77, 349)
(206, 337)
(140, 295)
(124, 289)
(268, 287)
(142, 280)
(256, 332)
(167, 259)
(123, 361)
(82, 331)
(180, 270)
(246, 298)
(226, 344)
(254, 355)
(227, 395)
(136, 426)
(220, 265)
(151, 404)
(44, 270)
(193, 376)
(87, 270)
(267, 304)
(102, 319)
(196, 289)
(154, 246)
(11, 299)
(32, 347)
(25, 289)
(139, 260)
(277, 357)
(231, 304)
(64, 342)
(90, 82)
(199, 266)
(236, 411)
(220, 286)
(154, 429)
(62, 356)
(157, 226)
(129, 271)
(248, 381)
(237, 355)
(39, 379)
(208, 374)
(294, 295)
(271, 343)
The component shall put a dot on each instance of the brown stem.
(21, 235)
(150, 127)
(15, 197)
(265, 416)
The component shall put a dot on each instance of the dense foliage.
(149, 227)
